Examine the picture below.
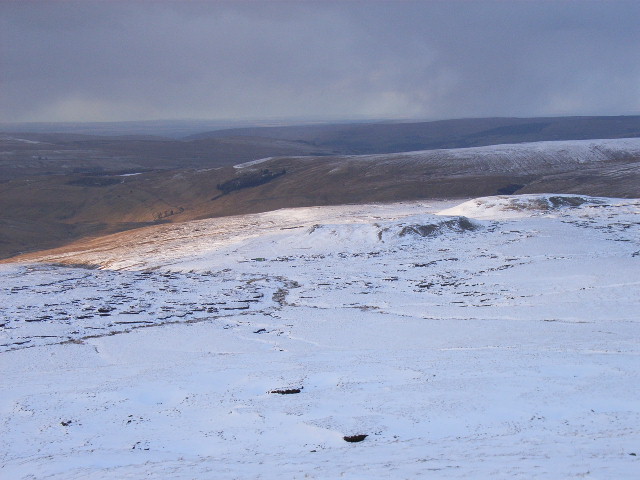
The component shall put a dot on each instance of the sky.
(334, 60)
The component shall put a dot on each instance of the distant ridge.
(358, 139)
(27, 153)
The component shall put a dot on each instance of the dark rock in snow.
(289, 391)
(355, 438)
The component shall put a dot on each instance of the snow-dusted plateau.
(493, 338)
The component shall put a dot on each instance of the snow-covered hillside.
(518, 158)
(497, 338)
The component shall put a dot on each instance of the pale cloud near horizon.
(134, 60)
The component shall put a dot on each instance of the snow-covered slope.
(497, 338)
(517, 158)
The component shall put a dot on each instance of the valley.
(59, 188)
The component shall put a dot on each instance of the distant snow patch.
(581, 150)
(252, 162)
(23, 140)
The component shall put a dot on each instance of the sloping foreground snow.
(499, 342)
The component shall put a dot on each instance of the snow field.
(509, 350)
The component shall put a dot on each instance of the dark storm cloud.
(108, 60)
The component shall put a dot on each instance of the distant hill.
(476, 132)
(164, 128)
(28, 154)
(43, 153)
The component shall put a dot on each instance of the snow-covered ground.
(496, 339)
